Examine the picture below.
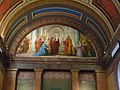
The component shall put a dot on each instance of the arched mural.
(55, 40)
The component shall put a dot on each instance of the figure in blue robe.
(42, 51)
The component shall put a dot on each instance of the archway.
(80, 44)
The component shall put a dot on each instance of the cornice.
(63, 63)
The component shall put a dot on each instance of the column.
(10, 79)
(38, 78)
(75, 79)
(101, 80)
(34, 37)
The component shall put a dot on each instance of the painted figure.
(43, 50)
(78, 49)
(38, 44)
(57, 46)
(68, 46)
(54, 46)
(25, 45)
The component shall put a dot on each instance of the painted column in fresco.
(34, 37)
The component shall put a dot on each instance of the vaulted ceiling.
(98, 20)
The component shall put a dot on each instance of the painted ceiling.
(99, 20)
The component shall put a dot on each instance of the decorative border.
(105, 12)
(56, 63)
(6, 18)
(56, 10)
(91, 23)
(15, 28)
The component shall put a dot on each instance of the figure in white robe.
(79, 48)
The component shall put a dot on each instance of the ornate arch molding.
(13, 45)
(9, 21)
(15, 26)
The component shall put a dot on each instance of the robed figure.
(25, 45)
(78, 48)
(68, 46)
(54, 46)
(38, 44)
(43, 49)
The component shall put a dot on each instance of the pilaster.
(10, 79)
(75, 79)
(38, 78)
(101, 79)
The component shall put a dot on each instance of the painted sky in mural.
(56, 40)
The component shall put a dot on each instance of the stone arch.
(13, 45)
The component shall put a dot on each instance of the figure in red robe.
(38, 44)
(68, 46)
(25, 45)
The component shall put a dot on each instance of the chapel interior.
(59, 44)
